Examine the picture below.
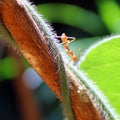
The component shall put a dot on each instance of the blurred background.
(23, 94)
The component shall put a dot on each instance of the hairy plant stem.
(46, 45)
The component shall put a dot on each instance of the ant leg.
(72, 40)
(63, 43)
(80, 53)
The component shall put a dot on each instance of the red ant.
(65, 41)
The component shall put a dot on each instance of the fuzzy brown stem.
(31, 43)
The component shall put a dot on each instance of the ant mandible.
(65, 41)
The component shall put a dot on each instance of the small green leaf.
(101, 63)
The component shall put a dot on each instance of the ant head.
(63, 34)
(64, 38)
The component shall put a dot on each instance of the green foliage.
(73, 16)
(101, 63)
(110, 13)
(9, 68)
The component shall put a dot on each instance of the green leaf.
(110, 13)
(101, 64)
(73, 16)
(9, 68)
